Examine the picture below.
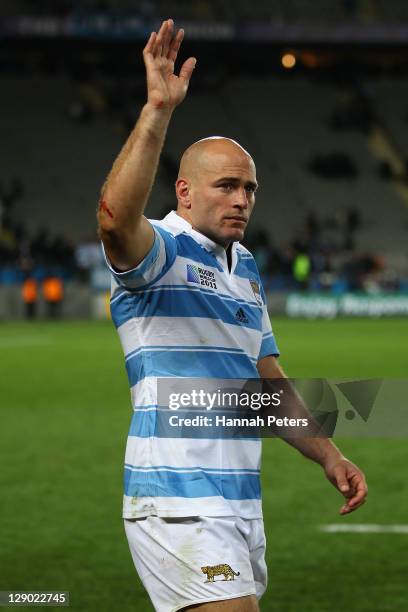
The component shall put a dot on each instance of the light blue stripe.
(190, 364)
(191, 485)
(181, 287)
(187, 247)
(268, 347)
(246, 268)
(182, 347)
(183, 303)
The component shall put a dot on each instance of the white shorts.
(191, 560)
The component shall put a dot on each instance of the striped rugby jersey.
(182, 313)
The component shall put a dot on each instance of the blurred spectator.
(301, 270)
(30, 296)
(53, 291)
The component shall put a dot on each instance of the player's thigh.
(239, 604)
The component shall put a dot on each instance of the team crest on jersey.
(201, 276)
(257, 292)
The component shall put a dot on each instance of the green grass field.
(65, 411)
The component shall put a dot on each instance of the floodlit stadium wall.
(84, 302)
(317, 306)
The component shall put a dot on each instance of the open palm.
(164, 88)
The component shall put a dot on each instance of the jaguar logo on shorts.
(219, 570)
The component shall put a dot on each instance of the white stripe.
(174, 506)
(364, 528)
(266, 322)
(144, 393)
(152, 409)
(154, 270)
(170, 331)
(185, 453)
(188, 470)
(136, 280)
(241, 290)
(119, 295)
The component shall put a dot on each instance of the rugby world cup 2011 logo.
(201, 276)
(193, 275)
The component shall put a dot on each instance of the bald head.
(216, 188)
(205, 154)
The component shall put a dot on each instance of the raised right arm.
(126, 234)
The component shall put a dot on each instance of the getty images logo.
(319, 395)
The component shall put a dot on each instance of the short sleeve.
(156, 263)
(268, 344)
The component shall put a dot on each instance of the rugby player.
(187, 301)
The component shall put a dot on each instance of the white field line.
(364, 528)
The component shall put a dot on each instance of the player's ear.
(183, 192)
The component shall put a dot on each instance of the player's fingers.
(160, 39)
(360, 492)
(150, 44)
(175, 45)
(162, 29)
(187, 69)
(358, 486)
(342, 482)
(148, 52)
(358, 497)
(168, 35)
(350, 507)
(155, 46)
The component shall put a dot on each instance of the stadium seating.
(282, 122)
(61, 162)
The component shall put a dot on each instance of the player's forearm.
(321, 450)
(127, 188)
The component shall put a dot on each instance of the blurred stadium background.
(317, 91)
